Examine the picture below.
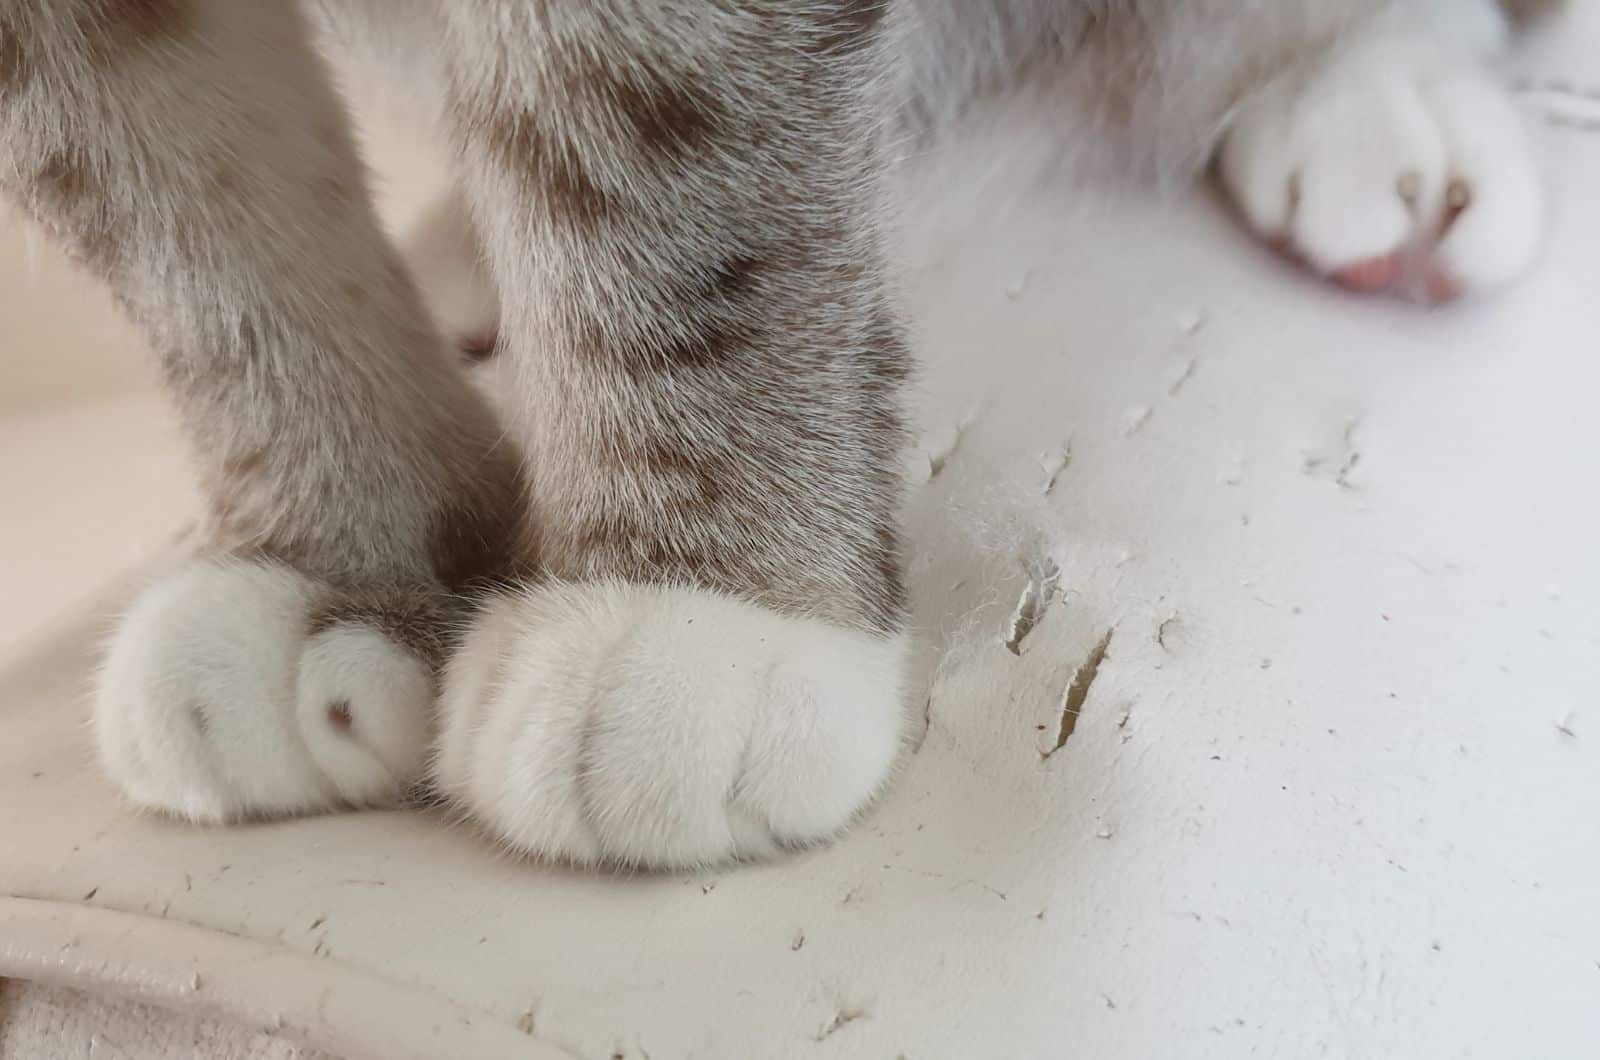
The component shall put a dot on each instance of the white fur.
(213, 704)
(661, 727)
(1356, 158)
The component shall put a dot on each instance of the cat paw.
(222, 698)
(1394, 165)
(664, 727)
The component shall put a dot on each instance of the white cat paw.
(664, 727)
(1395, 164)
(218, 702)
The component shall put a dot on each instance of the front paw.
(222, 698)
(1395, 165)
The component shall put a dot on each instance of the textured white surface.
(41, 1021)
(1332, 791)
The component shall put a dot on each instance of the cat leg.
(193, 154)
(1396, 161)
(679, 211)
(389, 52)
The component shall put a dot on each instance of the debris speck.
(317, 923)
(1190, 321)
(707, 888)
(1018, 284)
(525, 1022)
(89, 897)
(194, 981)
(1104, 833)
(799, 941)
(1110, 1004)
(1078, 691)
(1564, 727)
(1044, 578)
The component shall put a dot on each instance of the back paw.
(446, 257)
(1395, 165)
(664, 727)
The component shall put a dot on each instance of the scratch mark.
(939, 453)
(1564, 727)
(927, 723)
(1349, 458)
(1044, 578)
(1078, 691)
(92, 892)
(97, 1039)
(1134, 419)
(1191, 322)
(1161, 632)
(997, 892)
(1564, 102)
(1185, 373)
(846, 1015)
(1352, 457)
(1054, 464)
